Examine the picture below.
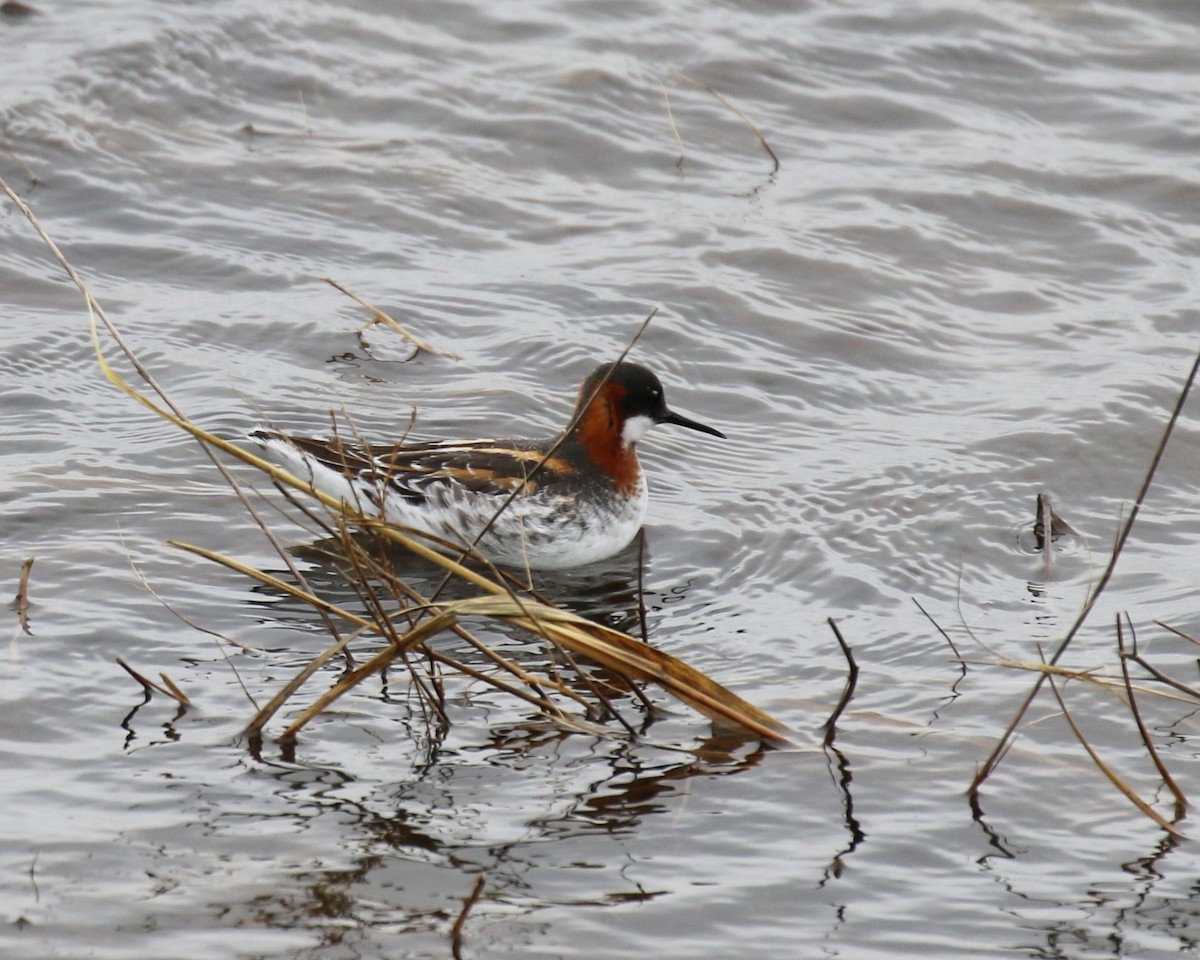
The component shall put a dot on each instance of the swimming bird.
(582, 503)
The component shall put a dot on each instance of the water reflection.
(1122, 918)
(171, 733)
(839, 769)
(416, 843)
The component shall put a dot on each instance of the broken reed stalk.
(1002, 744)
(830, 726)
(1044, 531)
(170, 689)
(634, 660)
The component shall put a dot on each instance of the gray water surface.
(971, 279)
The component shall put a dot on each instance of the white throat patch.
(635, 428)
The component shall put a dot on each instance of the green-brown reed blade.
(624, 654)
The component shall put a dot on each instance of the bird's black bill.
(682, 421)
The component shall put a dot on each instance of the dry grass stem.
(200, 628)
(674, 127)
(1086, 675)
(1108, 772)
(34, 179)
(379, 317)
(700, 85)
(1181, 803)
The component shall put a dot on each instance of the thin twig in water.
(1181, 803)
(994, 758)
(847, 692)
(700, 85)
(304, 112)
(195, 626)
(33, 876)
(962, 617)
(1043, 528)
(1177, 632)
(1162, 677)
(37, 894)
(938, 627)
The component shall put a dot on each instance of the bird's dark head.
(628, 400)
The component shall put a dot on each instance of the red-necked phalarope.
(585, 503)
